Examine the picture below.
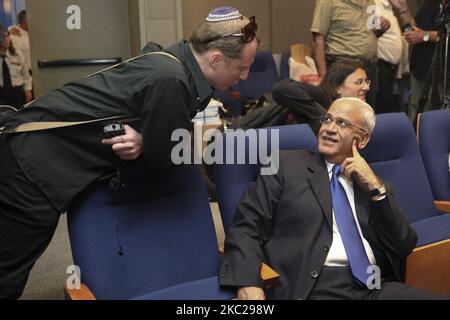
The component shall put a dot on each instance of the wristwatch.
(426, 37)
(377, 192)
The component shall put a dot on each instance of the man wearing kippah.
(42, 171)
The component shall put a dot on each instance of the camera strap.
(137, 57)
(40, 126)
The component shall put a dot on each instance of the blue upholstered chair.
(393, 154)
(433, 130)
(154, 239)
(261, 78)
(233, 179)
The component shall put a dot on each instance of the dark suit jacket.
(286, 221)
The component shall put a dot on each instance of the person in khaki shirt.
(347, 30)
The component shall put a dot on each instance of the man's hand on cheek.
(357, 168)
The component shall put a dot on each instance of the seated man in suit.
(325, 222)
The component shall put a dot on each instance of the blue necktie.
(347, 228)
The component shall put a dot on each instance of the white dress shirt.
(390, 45)
(337, 257)
(18, 71)
(21, 42)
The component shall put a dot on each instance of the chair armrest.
(428, 268)
(268, 275)
(443, 206)
(79, 294)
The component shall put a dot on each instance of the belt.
(366, 62)
(41, 126)
(391, 65)
(13, 88)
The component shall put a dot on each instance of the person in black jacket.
(42, 172)
(305, 103)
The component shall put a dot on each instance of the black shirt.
(422, 53)
(306, 102)
(162, 92)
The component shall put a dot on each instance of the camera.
(110, 131)
(113, 130)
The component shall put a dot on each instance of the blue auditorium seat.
(154, 239)
(394, 155)
(434, 142)
(233, 179)
(261, 79)
(262, 76)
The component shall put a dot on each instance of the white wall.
(160, 21)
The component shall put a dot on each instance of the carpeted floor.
(49, 273)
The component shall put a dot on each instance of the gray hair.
(366, 110)
(215, 35)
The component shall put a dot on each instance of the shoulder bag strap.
(39, 126)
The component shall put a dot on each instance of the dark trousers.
(385, 100)
(14, 97)
(336, 283)
(27, 224)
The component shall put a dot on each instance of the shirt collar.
(329, 166)
(357, 4)
(204, 90)
(330, 172)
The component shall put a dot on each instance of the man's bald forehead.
(350, 103)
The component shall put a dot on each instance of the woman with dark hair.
(307, 103)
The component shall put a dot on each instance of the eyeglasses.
(361, 81)
(328, 119)
(248, 33)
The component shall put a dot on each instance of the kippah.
(223, 14)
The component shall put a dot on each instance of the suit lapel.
(319, 182)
